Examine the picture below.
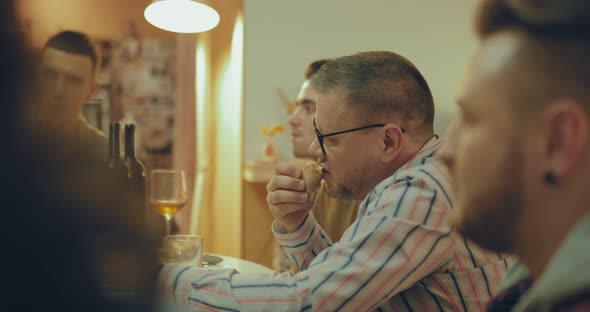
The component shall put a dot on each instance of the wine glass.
(167, 193)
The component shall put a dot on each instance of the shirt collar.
(427, 151)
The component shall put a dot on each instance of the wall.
(185, 119)
(99, 18)
(221, 212)
(282, 37)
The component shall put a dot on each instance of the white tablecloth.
(241, 265)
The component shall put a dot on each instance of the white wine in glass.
(167, 193)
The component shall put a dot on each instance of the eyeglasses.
(322, 136)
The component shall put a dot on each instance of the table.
(240, 265)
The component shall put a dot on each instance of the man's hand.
(286, 197)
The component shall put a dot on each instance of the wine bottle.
(136, 171)
(114, 161)
(136, 167)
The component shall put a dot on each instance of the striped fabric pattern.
(399, 255)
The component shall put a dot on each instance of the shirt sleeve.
(305, 244)
(401, 237)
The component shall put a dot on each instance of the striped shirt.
(399, 255)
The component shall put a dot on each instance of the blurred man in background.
(520, 150)
(68, 244)
(68, 67)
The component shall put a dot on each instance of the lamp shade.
(181, 16)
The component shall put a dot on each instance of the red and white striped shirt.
(399, 255)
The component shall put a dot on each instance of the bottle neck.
(129, 143)
(114, 149)
(116, 145)
(111, 142)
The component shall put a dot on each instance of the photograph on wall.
(143, 80)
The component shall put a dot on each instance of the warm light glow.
(203, 115)
(228, 149)
(181, 16)
(203, 132)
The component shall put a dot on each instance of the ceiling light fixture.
(181, 16)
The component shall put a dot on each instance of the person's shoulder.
(430, 169)
(94, 132)
(576, 303)
(93, 141)
(425, 171)
(429, 175)
(433, 169)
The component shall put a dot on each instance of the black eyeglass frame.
(321, 137)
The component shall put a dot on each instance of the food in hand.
(312, 175)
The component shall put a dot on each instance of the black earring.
(550, 178)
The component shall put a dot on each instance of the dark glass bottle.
(136, 167)
(136, 171)
(114, 161)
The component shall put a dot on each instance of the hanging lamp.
(181, 16)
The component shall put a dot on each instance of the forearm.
(357, 274)
(197, 289)
(303, 245)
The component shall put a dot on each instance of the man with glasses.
(374, 119)
(334, 214)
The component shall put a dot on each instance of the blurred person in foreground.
(375, 140)
(67, 72)
(66, 244)
(335, 215)
(524, 113)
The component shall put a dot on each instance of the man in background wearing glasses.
(400, 253)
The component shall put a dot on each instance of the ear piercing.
(550, 178)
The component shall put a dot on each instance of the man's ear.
(392, 142)
(565, 125)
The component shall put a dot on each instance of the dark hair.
(548, 17)
(76, 43)
(314, 67)
(381, 84)
(554, 49)
(12, 77)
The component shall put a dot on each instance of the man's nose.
(315, 151)
(294, 118)
(58, 87)
(447, 150)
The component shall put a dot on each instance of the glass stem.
(168, 221)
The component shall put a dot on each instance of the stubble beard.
(351, 190)
(491, 218)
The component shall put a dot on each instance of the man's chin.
(339, 191)
(481, 228)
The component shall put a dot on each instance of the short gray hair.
(381, 86)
